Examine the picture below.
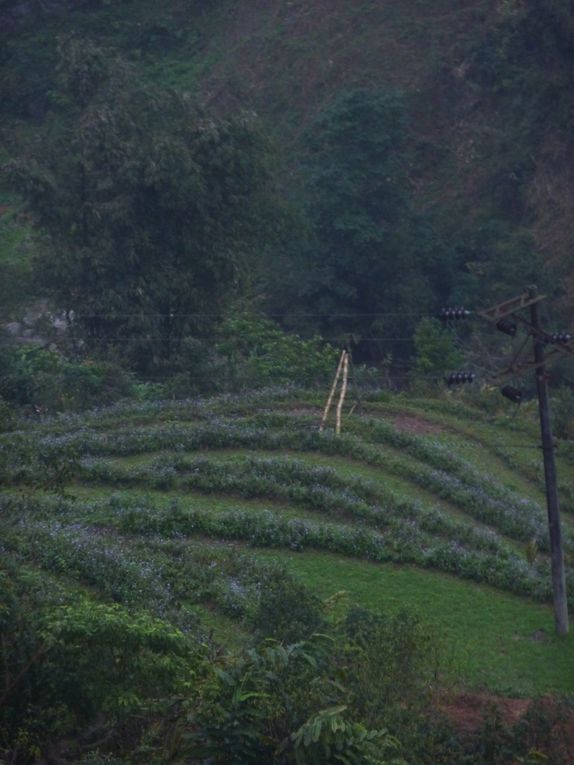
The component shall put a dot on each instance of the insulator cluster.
(512, 393)
(447, 314)
(459, 378)
(560, 337)
(507, 326)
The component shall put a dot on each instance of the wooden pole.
(555, 533)
(343, 392)
(332, 392)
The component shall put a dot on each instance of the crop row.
(448, 476)
(457, 418)
(82, 552)
(268, 529)
(160, 575)
(129, 413)
(519, 518)
(440, 458)
(531, 469)
(317, 488)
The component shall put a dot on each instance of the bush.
(275, 704)
(259, 353)
(74, 667)
(43, 379)
(287, 610)
(435, 352)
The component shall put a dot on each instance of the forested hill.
(409, 153)
(206, 208)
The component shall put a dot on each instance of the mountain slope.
(480, 78)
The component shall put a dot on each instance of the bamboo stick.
(343, 392)
(332, 392)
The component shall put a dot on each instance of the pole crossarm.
(546, 337)
(518, 367)
(509, 307)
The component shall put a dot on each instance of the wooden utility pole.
(499, 315)
(555, 532)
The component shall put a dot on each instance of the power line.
(218, 338)
(295, 314)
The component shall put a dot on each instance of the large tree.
(152, 212)
(372, 264)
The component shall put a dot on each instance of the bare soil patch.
(413, 424)
(547, 722)
(467, 710)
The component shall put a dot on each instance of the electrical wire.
(296, 314)
(128, 335)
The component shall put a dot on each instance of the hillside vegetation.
(180, 513)
(201, 205)
(416, 157)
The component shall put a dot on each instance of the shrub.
(259, 353)
(287, 610)
(276, 704)
(42, 379)
(435, 352)
(71, 664)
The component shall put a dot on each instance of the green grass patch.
(189, 500)
(221, 628)
(492, 640)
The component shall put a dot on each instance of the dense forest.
(339, 172)
(202, 204)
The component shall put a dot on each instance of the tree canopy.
(371, 258)
(153, 211)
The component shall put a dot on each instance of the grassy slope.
(493, 639)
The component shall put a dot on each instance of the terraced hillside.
(178, 508)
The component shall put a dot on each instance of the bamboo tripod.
(342, 369)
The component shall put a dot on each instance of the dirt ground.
(551, 725)
(467, 710)
(412, 424)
